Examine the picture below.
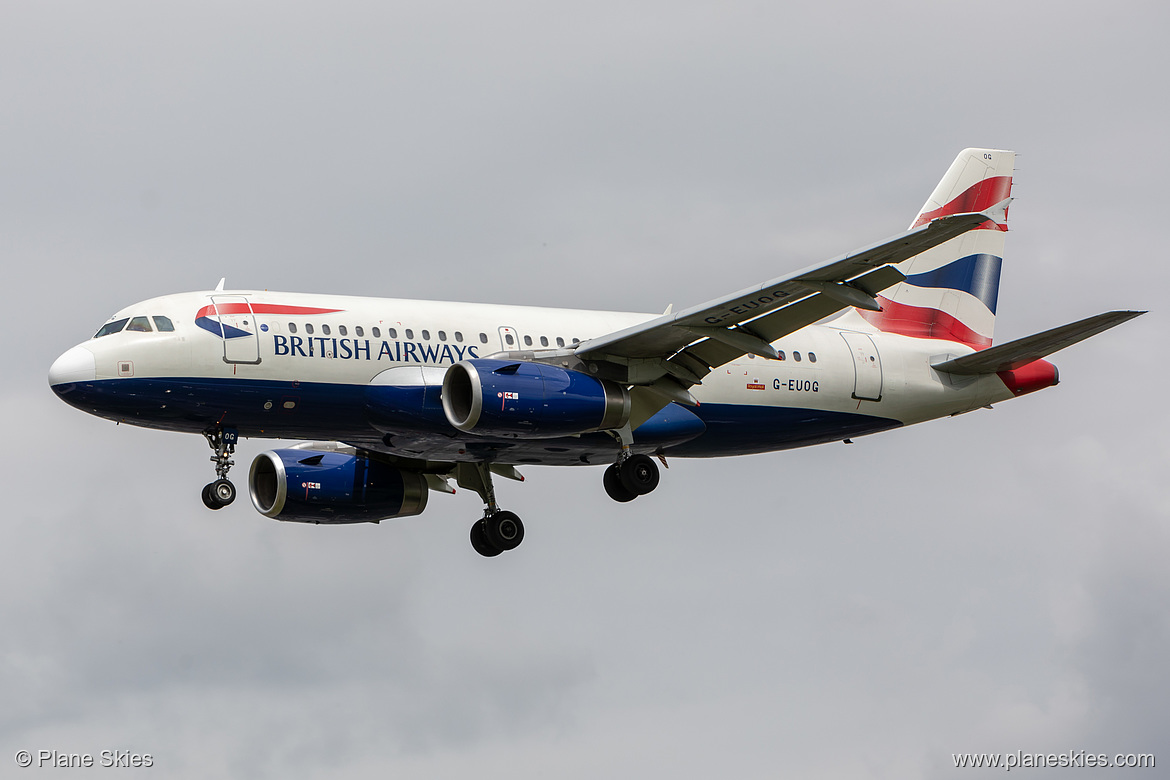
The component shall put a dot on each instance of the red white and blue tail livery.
(402, 398)
(950, 291)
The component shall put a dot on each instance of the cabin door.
(237, 322)
(867, 366)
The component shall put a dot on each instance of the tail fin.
(950, 291)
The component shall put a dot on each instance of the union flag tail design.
(950, 291)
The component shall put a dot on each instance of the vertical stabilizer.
(950, 291)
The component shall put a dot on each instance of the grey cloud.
(986, 583)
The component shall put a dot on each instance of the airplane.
(401, 398)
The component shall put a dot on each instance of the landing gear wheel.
(218, 494)
(209, 498)
(639, 474)
(498, 531)
(614, 487)
(223, 491)
(504, 530)
(480, 542)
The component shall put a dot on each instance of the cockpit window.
(140, 324)
(163, 324)
(111, 327)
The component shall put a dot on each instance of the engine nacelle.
(530, 400)
(311, 486)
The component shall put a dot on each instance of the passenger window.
(576, 340)
(341, 329)
(111, 327)
(426, 334)
(459, 337)
(309, 328)
(292, 327)
(325, 329)
(139, 324)
(812, 357)
(796, 356)
(751, 356)
(560, 341)
(392, 333)
(508, 338)
(359, 330)
(442, 335)
(163, 324)
(483, 338)
(409, 333)
(528, 341)
(378, 333)
(780, 354)
(544, 341)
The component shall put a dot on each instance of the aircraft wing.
(675, 351)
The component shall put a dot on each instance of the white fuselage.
(291, 365)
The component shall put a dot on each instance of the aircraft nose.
(75, 365)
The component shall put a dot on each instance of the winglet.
(998, 212)
(219, 287)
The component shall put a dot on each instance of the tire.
(639, 474)
(614, 487)
(479, 541)
(504, 530)
(209, 499)
(223, 491)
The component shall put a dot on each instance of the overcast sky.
(995, 582)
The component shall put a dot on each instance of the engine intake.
(311, 486)
(524, 400)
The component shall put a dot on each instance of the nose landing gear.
(221, 492)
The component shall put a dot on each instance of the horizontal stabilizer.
(1014, 354)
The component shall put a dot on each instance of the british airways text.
(363, 349)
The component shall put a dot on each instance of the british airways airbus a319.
(404, 397)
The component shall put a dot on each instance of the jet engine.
(526, 400)
(312, 486)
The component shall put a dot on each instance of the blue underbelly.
(740, 430)
(291, 410)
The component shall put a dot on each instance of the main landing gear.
(498, 530)
(630, 477)
(221, 492)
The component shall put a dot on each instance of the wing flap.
(1014, 354)
(659, 337)
(714, 353)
